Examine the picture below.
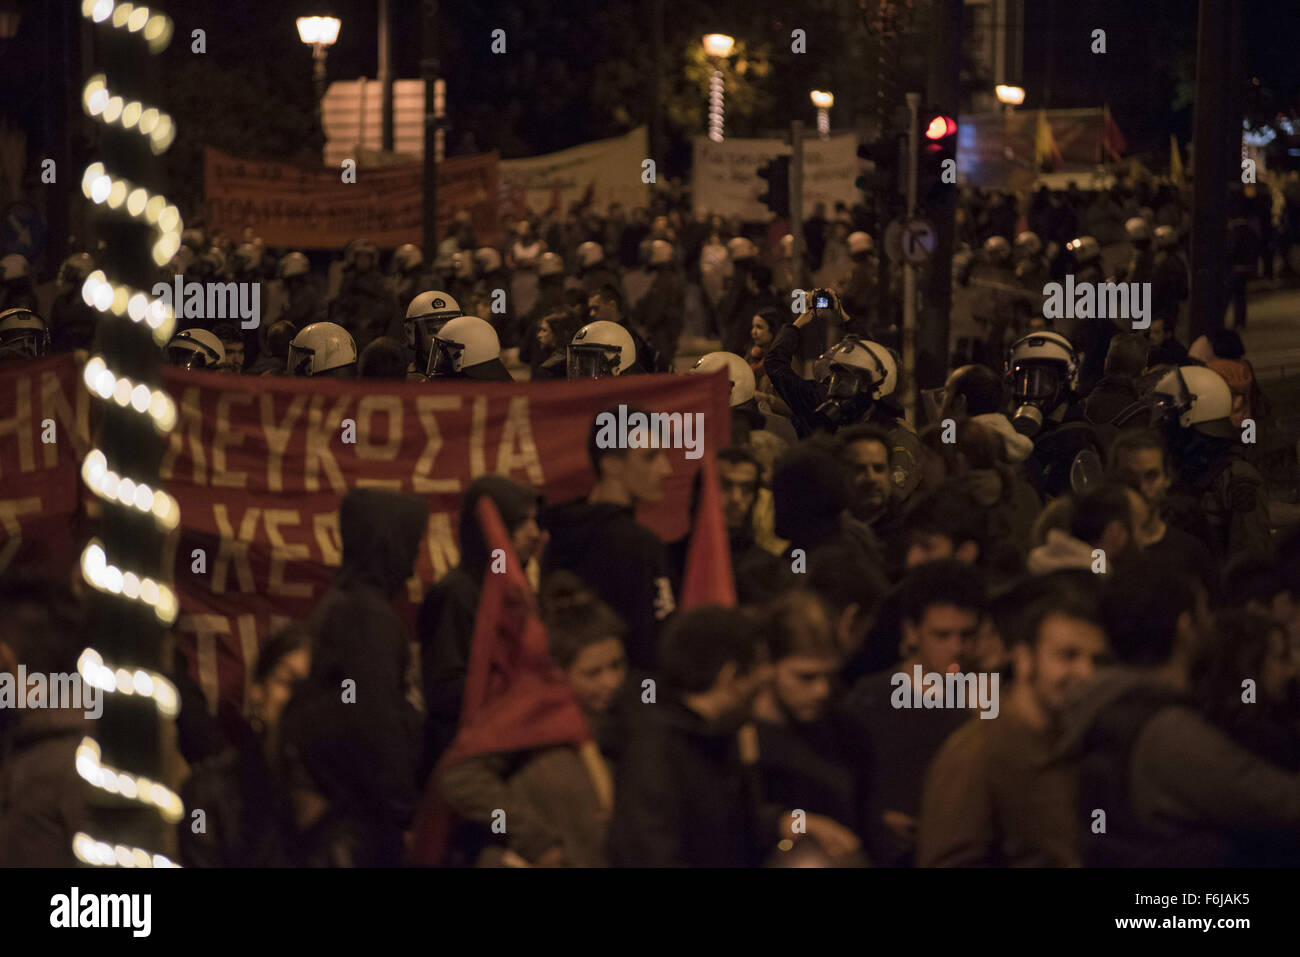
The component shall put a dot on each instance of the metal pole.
(386, 73)
(429, 71)
(796, 199)
(909, 271)
(656, 81)
(1216, 136)
(318, 77)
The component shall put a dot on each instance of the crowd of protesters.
(1074, 522)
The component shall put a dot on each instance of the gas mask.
(1038, 388)
(848, 395)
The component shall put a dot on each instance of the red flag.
(1112, 140)
(708, 579)
(516, 698)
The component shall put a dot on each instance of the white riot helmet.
(1201, 399)
(661, 253)
(741, 248)
(462, 343)
(23, 333)
(857, 366)
(425, 316)
(195, 349)
(997, 248)
(1138, 230)
(359, 247)
(1028, 245)
(321, 347)
(14, 266)
(487, 259)
(550, 264)
(739, 374)
(1085, 249)
(293, 264)
(407, 257)
(589, 254)
(1043, 369)
(75, 269)
(246, 258)
(859, 242)
(599, 349)
(1166, 237)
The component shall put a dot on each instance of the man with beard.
(864, 450)
(993, 797)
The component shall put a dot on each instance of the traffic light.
(936, 173)
(777, 197)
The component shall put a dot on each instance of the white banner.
(610, 170)
(724, 177)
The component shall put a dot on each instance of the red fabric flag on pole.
(516, 698)
(707, 579)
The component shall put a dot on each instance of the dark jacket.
(246, 815)
(1108, 398)
(622, 561)
(682, 797)
(360, 754)
(1177, 789)
(41, 795)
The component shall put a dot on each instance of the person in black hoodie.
(350, 733)
(445, 626)
(600, 541)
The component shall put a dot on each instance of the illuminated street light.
(319, 33)
(718, 47)
(1010, 96)
(823, 101)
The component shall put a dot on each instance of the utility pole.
(429, 73)
(909, 271)
(943, 94)
(656, 82)
(386, 73)
(1216, 137)
(796, 201)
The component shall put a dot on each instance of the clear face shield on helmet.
(592, 361)
(184, 357)
(444, 359)
(301, 360)
(24, 343)
(421, 334)
(1038, 387)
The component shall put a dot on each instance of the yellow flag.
(1175, 161)
(1045, 145)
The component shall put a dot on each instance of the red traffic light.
(939, 127)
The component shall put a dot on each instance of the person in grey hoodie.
(1159, 784)
(978, 393)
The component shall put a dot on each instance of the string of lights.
(124, 567)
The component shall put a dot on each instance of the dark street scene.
(629, 434)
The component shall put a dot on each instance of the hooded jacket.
(1189, 786)
(622, 561)
(1060, 551)
(1016, 446)
(445, 625)
(360, 754)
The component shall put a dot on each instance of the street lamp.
(1010, 96)
(718, 47)
(823, 101)
(320, 33)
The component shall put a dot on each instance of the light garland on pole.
(131, 597)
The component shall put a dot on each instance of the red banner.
(260, 464)
(310, 207)
(44, 425)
